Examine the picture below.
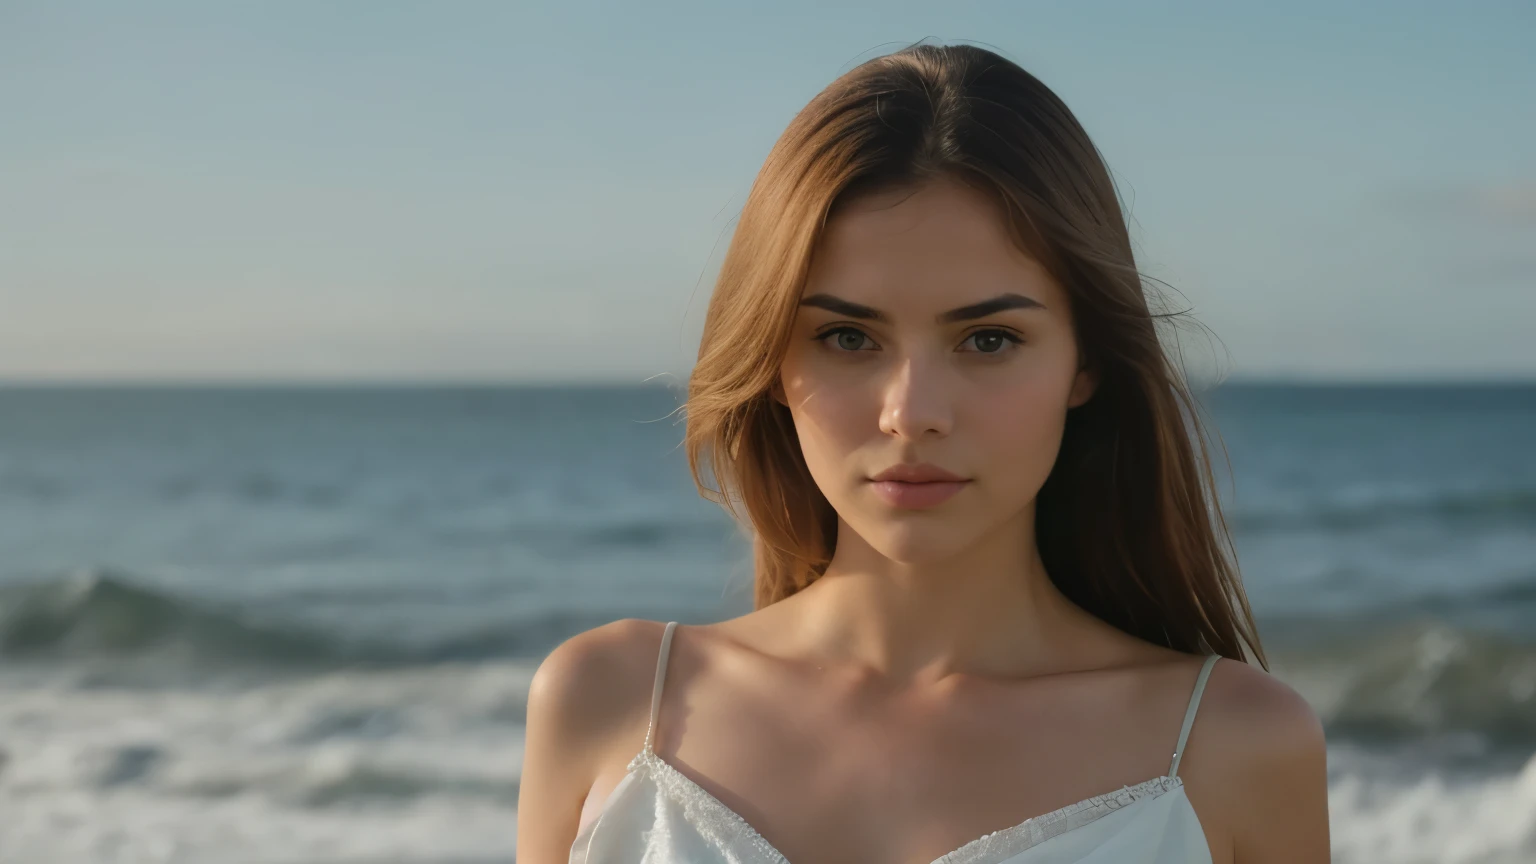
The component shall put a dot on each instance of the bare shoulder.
(1251, 708)
(1258, 758)
(594, 685)
(588, 704)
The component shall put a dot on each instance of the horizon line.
(664, 381)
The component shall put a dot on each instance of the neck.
(989, 610)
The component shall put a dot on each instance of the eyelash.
(992, 331)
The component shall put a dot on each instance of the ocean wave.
(1492, 595)
(1370, 679)
(1395, 681)
(585, 533)
(329, 782)
(1487, 505)
(103, 614)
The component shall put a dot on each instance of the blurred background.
(340, 346)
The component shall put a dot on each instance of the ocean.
(252, 624)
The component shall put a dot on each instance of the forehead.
(936, 245)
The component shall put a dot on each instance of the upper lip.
(916, 472)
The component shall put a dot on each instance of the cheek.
(833, 418)
(1017, 431)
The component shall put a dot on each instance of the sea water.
(298, 625)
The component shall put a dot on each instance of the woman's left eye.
(991, 341)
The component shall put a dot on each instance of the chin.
(917, 538)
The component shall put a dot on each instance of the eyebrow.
(1000, 303)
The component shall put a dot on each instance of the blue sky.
(487, 191)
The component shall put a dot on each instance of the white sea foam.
(403, 766)
(1401, 817)
(133, 828)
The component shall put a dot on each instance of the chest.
(659, 814)
(916, 783)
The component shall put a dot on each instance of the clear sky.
(544, 190)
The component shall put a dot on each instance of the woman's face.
(925, 338)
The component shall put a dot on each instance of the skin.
(933, 686)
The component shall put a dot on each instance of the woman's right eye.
(846, 339)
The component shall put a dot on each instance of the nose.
(917, 402)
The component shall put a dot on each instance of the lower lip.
(917, 496)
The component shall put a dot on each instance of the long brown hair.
(1128, 522)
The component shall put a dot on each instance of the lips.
(916, 486)
(917, 472)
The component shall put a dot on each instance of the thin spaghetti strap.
(661, 676)
(1189, 715)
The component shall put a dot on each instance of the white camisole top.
(657, 815)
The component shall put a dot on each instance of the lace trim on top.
(1008, 842)
(705, 809)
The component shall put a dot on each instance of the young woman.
(992, 582)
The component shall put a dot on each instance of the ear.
(1083, 387)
